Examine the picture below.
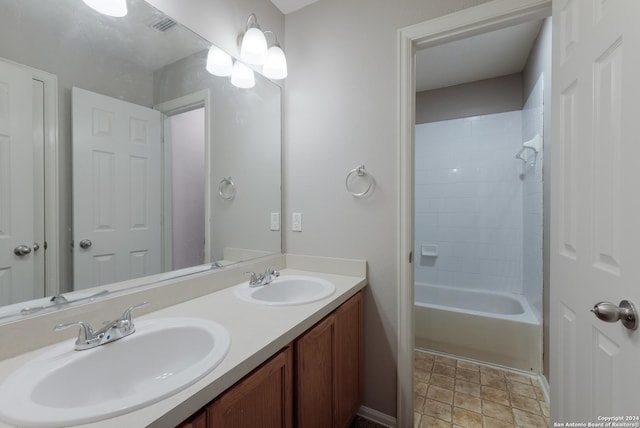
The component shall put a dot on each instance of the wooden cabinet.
(349, 360)
(264, 398)
(328, 368)
(199, 420)
(324, 364)
(315, 369)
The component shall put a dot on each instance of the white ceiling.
(288, 6)
(488, 55)
(77, 27)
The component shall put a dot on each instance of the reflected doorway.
(184, 136)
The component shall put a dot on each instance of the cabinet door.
(264, 398)
(348, 375)
(314, 375)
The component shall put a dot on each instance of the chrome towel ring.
(227, 189)
(359, 182)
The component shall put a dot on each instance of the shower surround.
(478, 229)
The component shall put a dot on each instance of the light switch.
(296, 222)
(275, 221)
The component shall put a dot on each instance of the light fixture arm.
(275, 38)
(252, 25)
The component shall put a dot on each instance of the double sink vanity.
(213, 351)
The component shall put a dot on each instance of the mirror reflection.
(121, 156)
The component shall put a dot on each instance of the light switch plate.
(275, 221)
(296, 222)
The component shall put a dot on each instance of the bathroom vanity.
(296, 365)
(315, 381)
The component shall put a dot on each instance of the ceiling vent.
(163, 24)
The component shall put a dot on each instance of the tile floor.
(456, 393)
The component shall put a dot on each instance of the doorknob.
(21, 250)
(609, 312)
(85, 243)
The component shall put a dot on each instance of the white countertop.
(257, 332)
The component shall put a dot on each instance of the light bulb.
(242, 76)
(115, 8)
(275, 67)
(219, 62)
(254, 47)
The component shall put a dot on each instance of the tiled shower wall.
(469, 202)
(532, 124)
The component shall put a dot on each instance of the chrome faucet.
(112, 330)
(266, 278)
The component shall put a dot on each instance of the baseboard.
(377, 417)
(544, 385)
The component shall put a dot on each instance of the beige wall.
(488, 96)
(539, 61)
(340, 112)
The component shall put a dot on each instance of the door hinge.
(410, 257)
(44, 245)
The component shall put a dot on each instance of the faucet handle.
(254, 278)
(271, 270)
(85, 333)
(126, 315)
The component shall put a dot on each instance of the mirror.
(208, 194)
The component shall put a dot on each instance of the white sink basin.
(64, 387)
(287, 290)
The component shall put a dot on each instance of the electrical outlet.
(275, 221)
(296, 222)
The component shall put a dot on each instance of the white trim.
(51, 202)
(178, 105)
(544, 385)
(377, 417)
(465, 23)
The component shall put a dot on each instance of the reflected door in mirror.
(20, 265)
(117, 201)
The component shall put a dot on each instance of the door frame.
(469, 22)
(51, 185)
(178, 105)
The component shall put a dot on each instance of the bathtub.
(491, 327)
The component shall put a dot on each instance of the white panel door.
(16, 185)
(595, 208)
(117, 201)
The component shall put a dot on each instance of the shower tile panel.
(532, 197)
(466, 176)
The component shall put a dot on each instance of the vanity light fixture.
(219, 63)
(115, 8)
(242, 76)
(253, 44)
(275, 67)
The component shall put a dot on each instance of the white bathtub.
(492, 327)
